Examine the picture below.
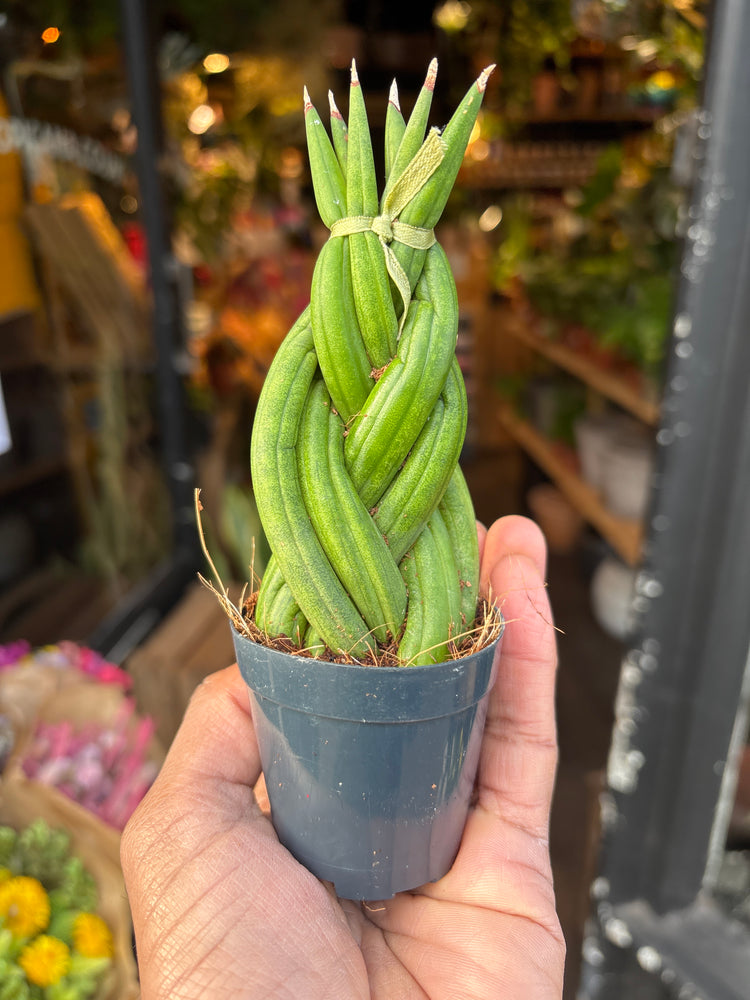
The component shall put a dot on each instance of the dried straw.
(486, 629)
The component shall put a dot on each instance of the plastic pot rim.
(373, 694)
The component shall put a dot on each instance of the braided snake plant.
(362, 417)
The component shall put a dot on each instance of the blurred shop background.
(157, 239)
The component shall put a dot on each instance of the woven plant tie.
(388, 227)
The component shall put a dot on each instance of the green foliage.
(676, 44)
(8, 839)
(38, 851)
(516, 246)
(570, 405)
(43, 853)
(614, 275)
(603, 184)
(13, 982)
(76, 887)
(242, 533)
(529, 35)
(205, 210)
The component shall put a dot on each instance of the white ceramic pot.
(593, 434)
(612, 591)
(628, 466)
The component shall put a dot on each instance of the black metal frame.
(682, 704)
(164, 270)
(147, 603)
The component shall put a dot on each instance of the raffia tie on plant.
(363, 413)
(387, 226)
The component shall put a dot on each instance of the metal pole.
(681, 707)
(163, 267)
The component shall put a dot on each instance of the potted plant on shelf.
(366, 651)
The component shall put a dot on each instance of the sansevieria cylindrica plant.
(362, 417)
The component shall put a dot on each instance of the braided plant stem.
(362, 417)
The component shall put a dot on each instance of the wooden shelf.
(623, 535)
(607, 383)
(632, 115)
(533, 164)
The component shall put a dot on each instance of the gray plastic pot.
(369, 770)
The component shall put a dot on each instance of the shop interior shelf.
(609, 384)
(625, 536)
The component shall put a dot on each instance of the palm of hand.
(221, 909)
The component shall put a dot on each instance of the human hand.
(221, 909)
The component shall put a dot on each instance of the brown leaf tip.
(306, 98)
(484, 77)
(431, 75)
(335, 113)
(355, 77)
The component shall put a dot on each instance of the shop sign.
(38, 138)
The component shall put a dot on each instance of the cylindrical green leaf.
(414, 131)
(339, 132)
(276, 611)
(434, 611)
(457, 512)
(301, 558)
(359, 426)
(418, 488)
(394, 129)
(328, 180)
(347, 533)
(338, 341)
(376, 314)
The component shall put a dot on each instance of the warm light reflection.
(647, 49)
(50, 35)
(479, 150)
(490, 218)
(216, 62)
(452, 16)
(201, 119)
(291, 163)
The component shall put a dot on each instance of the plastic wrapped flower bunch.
(64, 655)
(103, 767)
(53, 946)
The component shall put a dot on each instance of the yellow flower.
(24, 906)
(663, 79)
(91, 936)
(45, 961)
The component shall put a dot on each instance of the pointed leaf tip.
(332, 105)
(355, 77)
(431, 75)
(393, 96)
(306, 99)
(484, 77)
